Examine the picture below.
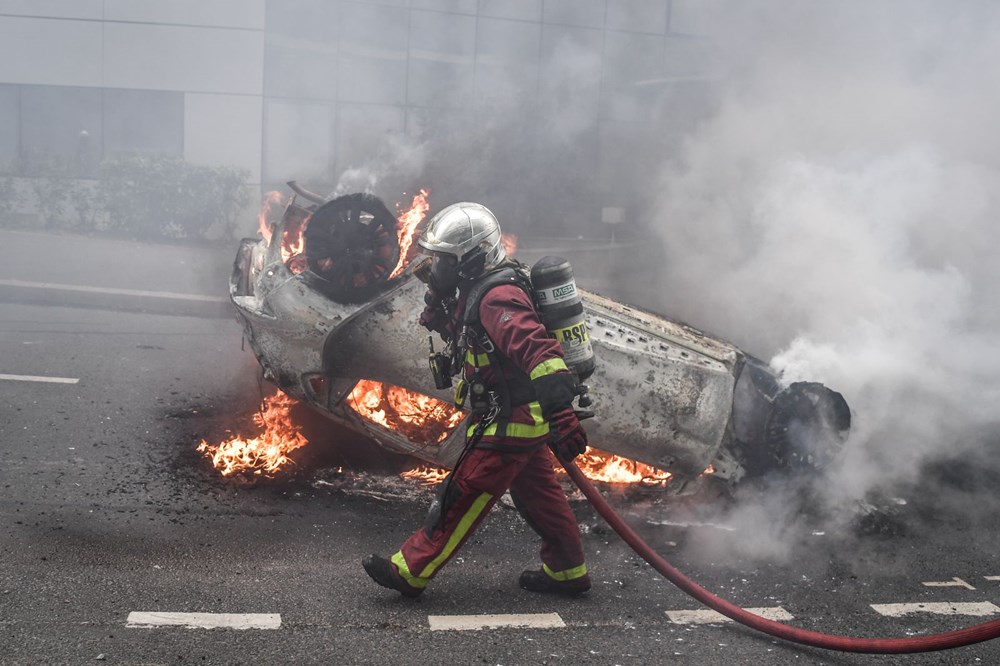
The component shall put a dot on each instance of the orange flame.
(407, 224)
(293, 240)
(602, 466)
(415, 415)
(265, 453)
(272, 200)
(427, 475)
(509, 243)
(596, 465)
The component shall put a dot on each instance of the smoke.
(837, 214)
(824, 178)
(393, 167)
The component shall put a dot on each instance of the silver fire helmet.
(460, 230)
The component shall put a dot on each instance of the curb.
(126, 300)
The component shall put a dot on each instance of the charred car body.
(327, 310)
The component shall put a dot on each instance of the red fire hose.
(946, 641)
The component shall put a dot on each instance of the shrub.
(10, 199)
(159, 196)
(50, 185)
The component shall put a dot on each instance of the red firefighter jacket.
(507, 315)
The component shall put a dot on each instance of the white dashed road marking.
(34, 378)
(206, 620)
(992, 577)
(954, 582)
(706, 616)
(942, 608)
(476, 622)
(114, 291)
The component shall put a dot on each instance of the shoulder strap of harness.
(512, 274)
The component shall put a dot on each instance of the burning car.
(329, 305)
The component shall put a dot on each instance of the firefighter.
(519, 390)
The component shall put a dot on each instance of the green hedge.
(147, 197)
(169, 198)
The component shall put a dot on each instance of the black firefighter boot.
(384, 572)
(539, 581)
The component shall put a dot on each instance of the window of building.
(143, 121)
(10, 126)
(61, 123)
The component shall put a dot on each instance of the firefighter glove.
(435, 317)
(555, 392)
(569, 439)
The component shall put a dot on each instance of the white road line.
(992, 577)
(942, 608)
(706, 616)
(113, 290)
(206, 620)
(476, 622)
(954, 582)
(34, 378)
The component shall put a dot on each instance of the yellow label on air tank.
(572, 336)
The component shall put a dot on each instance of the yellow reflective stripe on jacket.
(477, 360)
(567, 574)
(464, 525)
(548, 367)
(539, 428)
(404, 571)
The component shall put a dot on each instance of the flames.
(509, 243)
(426, 475)
(265, 453)
(293, 235)
(275, 206)
(296, 219)
(415, 415)
(406, 227)
(272, 201)
(609, 468)
(596, 465)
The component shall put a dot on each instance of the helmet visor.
(444, 271)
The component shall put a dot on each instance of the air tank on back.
(561, 311)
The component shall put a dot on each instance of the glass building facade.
(549, 110)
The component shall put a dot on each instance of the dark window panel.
(10, 126)
(143, 121)
(62, 122)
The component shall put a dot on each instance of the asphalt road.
(106, 510)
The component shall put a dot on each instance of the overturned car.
(329, 305)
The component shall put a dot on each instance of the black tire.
(807, 427)
(351, 243)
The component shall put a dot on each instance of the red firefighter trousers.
(483, 476)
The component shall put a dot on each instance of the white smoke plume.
(397, 163)
(837, 212)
